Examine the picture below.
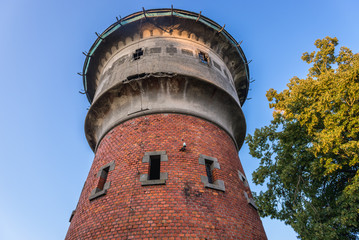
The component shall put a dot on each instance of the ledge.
(250, 201)
(145, 182)
(217, 185)
(97, 192)
(146, 158)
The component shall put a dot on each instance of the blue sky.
(45, 158)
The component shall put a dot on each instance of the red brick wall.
(182, 208)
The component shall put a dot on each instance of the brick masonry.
(182, 208)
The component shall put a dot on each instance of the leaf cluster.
(309, 154)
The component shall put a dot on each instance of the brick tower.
(166, 88)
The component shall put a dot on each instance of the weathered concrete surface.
(164, 94)
(165, 54)
(169, 76)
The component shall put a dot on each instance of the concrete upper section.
(167, 23)
(165, 61)
(167, 55)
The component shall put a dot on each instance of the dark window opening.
(103, 179)
(72, 215)
(102, 183)
(243, 178)
(155, 167)
(138, 54)
(209, 171)
(203, 57)
(211, 180)
(154, 176)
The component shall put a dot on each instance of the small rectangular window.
(154, 176)
(72, 215)
(209, 171)
(102, 184)
(211, 180)
(155, 167)
(138, 53)
(243, 178)
(250, 200)
(203, 57)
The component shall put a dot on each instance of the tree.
(309, 153)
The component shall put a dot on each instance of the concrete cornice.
(160, 95)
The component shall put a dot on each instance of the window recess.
(137, 54)
(154, 176)
(250, 200)
(72, 215)
(102, 184)
(210, 180)
(243, 178)
(209, 170)
(203, 57)
(154, 170)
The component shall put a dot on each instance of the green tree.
(309, 153)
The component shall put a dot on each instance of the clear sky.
(45, 158)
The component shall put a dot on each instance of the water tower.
(166, 88)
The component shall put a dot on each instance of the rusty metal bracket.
(98, 36)
(222, 28)
(144, 12)
(119, 20)
(199, 16)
